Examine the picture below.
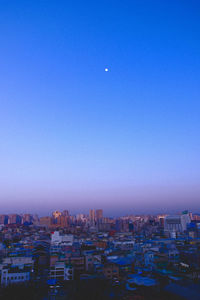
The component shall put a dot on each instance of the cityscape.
(99, 150)
(65, 256)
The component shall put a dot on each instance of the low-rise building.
(111, 271)
(16, 270)
(61, 271)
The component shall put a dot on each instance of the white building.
(18, 261)
(176, 223)
(57, 238)
(124, 245)
(10, 275)
(16, 270)
(185, 219)
(61, 271)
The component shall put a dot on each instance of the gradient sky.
(73, 136)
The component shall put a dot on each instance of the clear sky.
(73, 136)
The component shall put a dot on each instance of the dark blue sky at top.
(74, 136)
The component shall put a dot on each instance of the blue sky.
(74, 136)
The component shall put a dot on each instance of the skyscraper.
(92, 216)
(99, 215)
(65, 213)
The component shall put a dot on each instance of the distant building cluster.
(130, 251)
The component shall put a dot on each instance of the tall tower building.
(99, 215)
(92, 216)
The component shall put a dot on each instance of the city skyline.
(93, 213)
(75, 136)
(93, 216)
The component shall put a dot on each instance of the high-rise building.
(99, 215)
(92, 216)
(65, 213)
(196, 217)
(46, 221)
(3, 219)
(118, 225)
(56, 214)
(63, 221)
(176, 223)
(14, 219)
(185, 219)
(27, 218)
(36, 220)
